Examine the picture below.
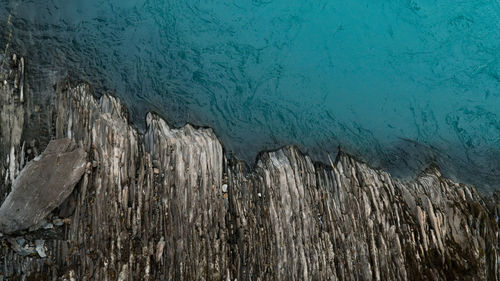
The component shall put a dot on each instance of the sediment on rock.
(169, 205)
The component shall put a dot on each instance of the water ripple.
(399, 83)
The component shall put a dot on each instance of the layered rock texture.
(169, 205)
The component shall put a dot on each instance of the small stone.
(156, 171)
(18, 249)
(48, 226)
(21, 241)
(224, 188)
(40, 249)
(259, 194)
(58, 222)
(94, 164)
(28, 250)
(72, 275)
(159, 249)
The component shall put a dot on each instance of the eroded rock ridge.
(169, 205)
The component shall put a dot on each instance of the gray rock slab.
(42, 185)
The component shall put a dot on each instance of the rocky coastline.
(169, 205)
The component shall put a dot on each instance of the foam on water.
(398, 83)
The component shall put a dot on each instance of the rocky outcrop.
(169, 205)
(12, 115)
(42, 185)
(350, 222)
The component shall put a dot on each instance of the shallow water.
(397, 83)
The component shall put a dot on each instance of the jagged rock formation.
(11, 120)
(42, 185)
(169, 205)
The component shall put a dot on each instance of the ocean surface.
(400, 84)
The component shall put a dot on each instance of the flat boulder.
(42, 185)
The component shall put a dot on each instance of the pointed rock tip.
(153, 117)
(432, 169)
(342, 155)
(150, 116)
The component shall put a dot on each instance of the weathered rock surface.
(12, 115)
(42, 185)
(168, 205)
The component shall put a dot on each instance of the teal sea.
(398, 83)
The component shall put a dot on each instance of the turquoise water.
(397, 83)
